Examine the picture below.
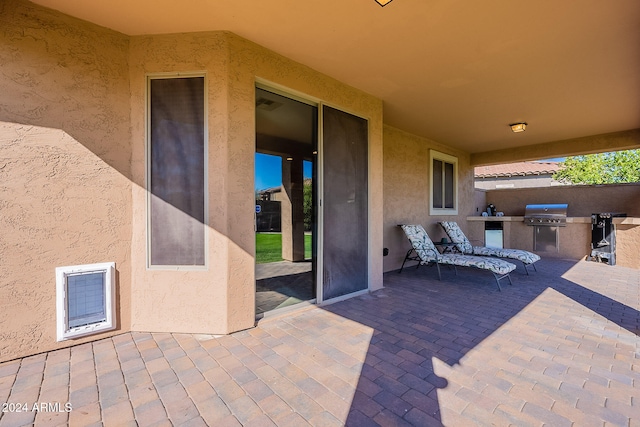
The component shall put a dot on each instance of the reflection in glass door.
(285, 195)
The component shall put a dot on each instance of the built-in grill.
(552, 215)
(546, 220)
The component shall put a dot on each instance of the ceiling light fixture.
(383, 3)
(518, 127)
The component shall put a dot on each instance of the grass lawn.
(269, 247)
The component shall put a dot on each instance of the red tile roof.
(517, 169)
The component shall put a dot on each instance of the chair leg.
(405, 259)
(534, 267)
(497, 281)
(525, 267)
(439, 275)
(498, 278)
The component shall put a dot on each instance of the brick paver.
(559, 347)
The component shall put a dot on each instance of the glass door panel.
(285, 186)
(345, 210)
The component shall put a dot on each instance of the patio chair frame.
(443, 258)
(457, 245)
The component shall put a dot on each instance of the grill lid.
(546, 214)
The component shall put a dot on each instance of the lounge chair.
(426, 252)
(465, 247)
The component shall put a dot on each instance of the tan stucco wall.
(65, 192)
(72, 163)
(573, 239)
(583, 200)
(615, 141)
(406, 188)
(628, 246)
(255, 62)
(221, 299)
(528, 181)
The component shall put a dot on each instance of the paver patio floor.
(560, 347)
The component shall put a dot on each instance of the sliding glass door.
(285, 200)
(345, 203)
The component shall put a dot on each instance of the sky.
(268, 171)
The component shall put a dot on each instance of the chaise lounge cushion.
(464, 245)
(427, 252)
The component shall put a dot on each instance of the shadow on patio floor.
(558, 347)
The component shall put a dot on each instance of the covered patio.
(419, 93)
(559, 347)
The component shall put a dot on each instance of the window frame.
(64, 332)
(176, 75)
(445, 158)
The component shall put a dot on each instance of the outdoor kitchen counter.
(496, 218)
(574, 238)
(570, 220)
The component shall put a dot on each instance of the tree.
(603, 168)
(308, 204)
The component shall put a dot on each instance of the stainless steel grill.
(552, 215)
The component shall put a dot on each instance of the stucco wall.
(625, 140)
(65, 193)
(406, 187)
(528, 181)
(72, 168)
(573, 239)
(250, 62)
(628, 245)
(583, 200)
(221, 298)
(181, 300)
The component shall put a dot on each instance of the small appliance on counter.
(491, 209)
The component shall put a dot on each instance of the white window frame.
(437, 155)
(174, 75)
(64, 332)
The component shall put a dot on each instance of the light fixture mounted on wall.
(518, 127)
(383, 3)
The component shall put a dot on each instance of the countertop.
(570, 220)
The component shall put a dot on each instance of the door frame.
(319, 104)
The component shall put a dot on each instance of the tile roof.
(517, 169)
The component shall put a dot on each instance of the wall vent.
(267, 104)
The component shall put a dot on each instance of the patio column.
(292, 210)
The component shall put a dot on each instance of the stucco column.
(292, 210)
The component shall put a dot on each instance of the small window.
(177, 171)
(444, 184)
(85, 299)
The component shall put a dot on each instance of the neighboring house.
(516, 175)
(127, 154)
(268, 210)
(272, 194)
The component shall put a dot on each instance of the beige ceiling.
(454, 71)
